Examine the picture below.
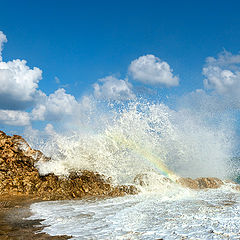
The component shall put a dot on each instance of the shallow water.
(181, 214)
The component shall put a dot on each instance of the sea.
(143, 143)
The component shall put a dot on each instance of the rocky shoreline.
(21, 184)
(19, 176)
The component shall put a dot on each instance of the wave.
(122, 141)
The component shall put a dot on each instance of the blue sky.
(76, 43)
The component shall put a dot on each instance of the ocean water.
(143, 144)
(180, 214)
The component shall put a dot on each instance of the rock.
(19, 176)
(209, 183)
(200, 183)
(188, 182)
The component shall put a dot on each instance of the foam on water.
(212, 214)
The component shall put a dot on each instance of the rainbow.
(141, 151)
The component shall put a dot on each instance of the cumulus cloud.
(14, 118)
(223, 75)
(112, 88)
(19, 91)
(151, 70)
(55, 106)
(3, 39)
(18, 84)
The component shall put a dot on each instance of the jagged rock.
(18, 175)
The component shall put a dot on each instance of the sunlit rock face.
(19, 176)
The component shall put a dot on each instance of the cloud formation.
(18, 84)
(151, 70)
(3, 39)
(112, 88)
(55, 106)
(223, 75)
(19, 91)
(14, 118)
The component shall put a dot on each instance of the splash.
(141, 137)
(142, 152)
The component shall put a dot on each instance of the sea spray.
(122, 141)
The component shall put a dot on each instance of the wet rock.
(19, 176)
(188, 182)
(209, 183)
(200, 183)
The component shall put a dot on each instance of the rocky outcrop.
(206, 183)
(196, 184)
(19, 176)
(200, 183)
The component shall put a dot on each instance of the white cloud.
(3, 39)
(113, 88)
(18, 84)
(223, 75)
(14, 118)
(55, 106)
(19, 91)
(151, 70)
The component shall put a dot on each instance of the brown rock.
(209, 183)
(188, 182)
(200, 183)
(18, 175)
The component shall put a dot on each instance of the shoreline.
(21, 185)
(13, 226)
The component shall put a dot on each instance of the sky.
(55, 56)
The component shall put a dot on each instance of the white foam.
(212, 214)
